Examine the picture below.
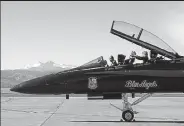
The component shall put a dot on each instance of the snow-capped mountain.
(10, 78)
(48, 66)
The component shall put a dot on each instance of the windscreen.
(98, 62)
(146, 36)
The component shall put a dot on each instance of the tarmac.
(78, 111)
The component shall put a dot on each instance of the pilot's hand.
(133, 53)
(161, 57)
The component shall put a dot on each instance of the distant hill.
(10, 78)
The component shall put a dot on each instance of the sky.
(74, 33)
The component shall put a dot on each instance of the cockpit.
(120, 61)
(158, 52)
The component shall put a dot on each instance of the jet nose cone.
(28, 86)
(16, 88)
(13, 89)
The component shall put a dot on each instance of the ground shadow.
(135, 121)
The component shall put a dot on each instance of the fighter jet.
(164, 74)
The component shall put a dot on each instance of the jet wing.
(142, 38)
(155, 73)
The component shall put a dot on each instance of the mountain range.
(10, 78)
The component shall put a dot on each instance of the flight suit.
(145, 59)
(114, 63)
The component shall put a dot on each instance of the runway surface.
(78, 111)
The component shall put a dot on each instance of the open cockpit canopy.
(142, 38)
(137, 36)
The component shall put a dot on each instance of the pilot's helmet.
(153, 54)
(104, 62)
(133, 53)
(121, 57)
(111, 58)
(145, 53)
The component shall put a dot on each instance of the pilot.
(104, 63)
(131, 59)
(121, 59)
(153, 56)
(113, 62)
(144, 57)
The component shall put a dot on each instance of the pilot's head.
(133, 53)
(104, 63)
(111, 58)
(153, 54)
(145, 54)
(121, 58)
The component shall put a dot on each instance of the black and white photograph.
(84, 63)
